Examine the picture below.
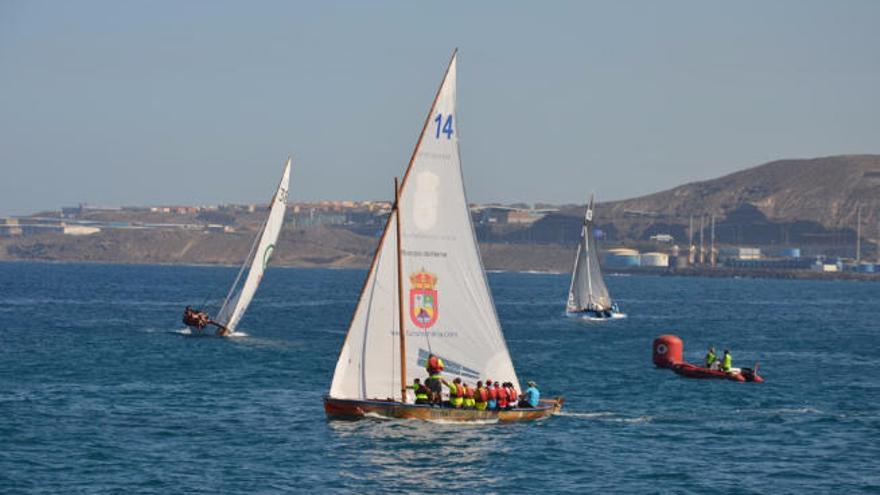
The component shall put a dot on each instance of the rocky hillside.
(822, 190)
(313, 247)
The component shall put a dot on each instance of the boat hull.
(350, 409)
(692, 371)
(591, 316)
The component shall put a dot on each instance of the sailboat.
(242, 291)
(588, 296)
(425, 294)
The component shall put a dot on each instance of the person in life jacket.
(492, 403)
(512, 396)
(469, 401)
(481, 397)
(726, 361)
(195, 318)
(502, 396)
(711, 359)
(434, 366)
(456, 393)
(423, 395)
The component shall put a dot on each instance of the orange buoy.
(668, 350)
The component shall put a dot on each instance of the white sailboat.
(426, 279)
(242, 291)
(588, 295)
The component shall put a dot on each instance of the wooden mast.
(400, 295)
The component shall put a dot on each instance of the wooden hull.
(358, 409)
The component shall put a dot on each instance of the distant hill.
(822, 190)
(810, 201)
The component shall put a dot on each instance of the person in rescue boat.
(481, 397)
(726, 361)
(711, 359)
(531, 397)
(456, 393)
(434, 367)
(422, 392)
(493, 396)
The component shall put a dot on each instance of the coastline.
(717, 272)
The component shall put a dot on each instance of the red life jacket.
(483, 394)
(459, 390)
(511, 394)
(502, 397)
(493, 394)
(468, 392)
(433, 365)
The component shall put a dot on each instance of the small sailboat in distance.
(425, 299)
(588, 296)
(241, 292)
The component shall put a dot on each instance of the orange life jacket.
(435, 365)
(512, 395)
(482, 394)
(468, 392)
(493, 394)
(502, 397)
(459, 390)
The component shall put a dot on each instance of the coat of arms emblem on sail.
(423, 299)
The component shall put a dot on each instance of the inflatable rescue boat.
(668, 351)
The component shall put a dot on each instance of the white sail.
(587, 290)
(448, 309)
(237, 300)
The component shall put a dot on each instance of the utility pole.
(702, 253)
(859, 234)
(712, 243)
(691, 241)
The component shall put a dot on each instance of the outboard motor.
(668, 350)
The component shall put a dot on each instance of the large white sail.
(588, 290)
(237, 300)
(448, 309)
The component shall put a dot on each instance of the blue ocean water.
(99, 393)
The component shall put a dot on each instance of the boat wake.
(605, 416)
(477, 422)
(584, 414)
(373, 415)
(187, 332)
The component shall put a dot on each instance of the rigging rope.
(244, 265)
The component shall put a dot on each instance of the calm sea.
(99, 393)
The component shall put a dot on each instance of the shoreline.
(717, 272)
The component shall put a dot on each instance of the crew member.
(512, 396)
(481, 397)
(469, 401)
(434, 366)
(456, 393)
(727, 361)
(531, 397)
(711, 359)
(421, 391)
(492, 403)
(502, 396)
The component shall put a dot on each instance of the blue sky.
(138, 102)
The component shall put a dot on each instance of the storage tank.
(865, 268)
(790, 252)
(622, 258)
(655, 259)
(681, 262)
